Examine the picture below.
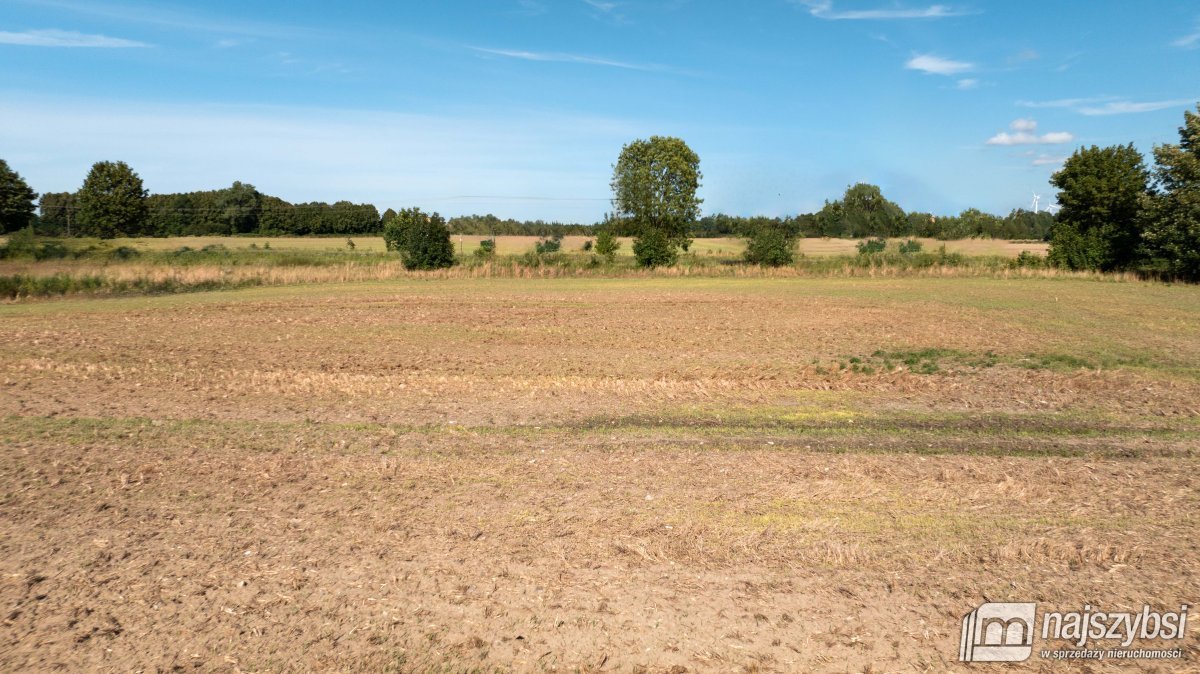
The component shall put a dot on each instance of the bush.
(423, 241)
(587, 246)
(771, 247)
(1029, 260)
(1071, 249)
(910, 246)
(123, 253)
(654, 249)
(607, 245)
(550, 245)
(486, 249)
(871, 246)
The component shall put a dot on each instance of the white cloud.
(1024, 133)
(602, 6)
(1024, 56)
(936, 65)
(1107, 105)
(66, 38)
(1189, 41)
(559, 57)
(161, 15)
(1065, 102)
(1047, 160)
(967, 83)
(531, 7)
(1127, 107)
(823, 9)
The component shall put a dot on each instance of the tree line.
(113, 202)
(1118, 214)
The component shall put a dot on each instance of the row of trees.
(490, 225)
(853, 218)
(113, 201)
(1119, 215)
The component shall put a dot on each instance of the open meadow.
(591, 474)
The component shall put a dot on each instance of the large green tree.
(423, 240)
(862, 211)
(112, 201)
(16, 200)
(238, 208)
(1101, 192)
(654, 187)
(1172, 231)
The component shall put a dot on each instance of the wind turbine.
(1036, 199)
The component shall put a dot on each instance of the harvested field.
(638, 474)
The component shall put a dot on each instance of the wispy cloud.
(157, 15)
(602, 6)
(1130, 107)
(1047, 160)
(1094, 106)
(66, 38)
(1065, 102)
(560, 57)
(1024, 132)
(967, 83)
(531, 7)
(936, 65)
(1024, 56)
(823, 9)
(1189, 41)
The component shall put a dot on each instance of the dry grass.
(515, 245)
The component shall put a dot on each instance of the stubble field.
(640, 474)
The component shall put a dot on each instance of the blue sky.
(520, 107)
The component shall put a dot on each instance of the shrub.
(871, 246)
(654, 249)
(1029, 260)
(423, 241)
(587, 245)
(123, 253)
(910, 246)
(486, 249)
(771, 246)
(550, 245)
(607, 245)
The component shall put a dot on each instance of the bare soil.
(642, 475)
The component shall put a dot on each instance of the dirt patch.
(539, 557)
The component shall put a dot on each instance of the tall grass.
(107, 271)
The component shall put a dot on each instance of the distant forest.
(242, 210)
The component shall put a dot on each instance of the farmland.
(585, 474)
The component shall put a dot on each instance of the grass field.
(515, 245)
(591, 474)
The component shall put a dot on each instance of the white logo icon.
(998, 633)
